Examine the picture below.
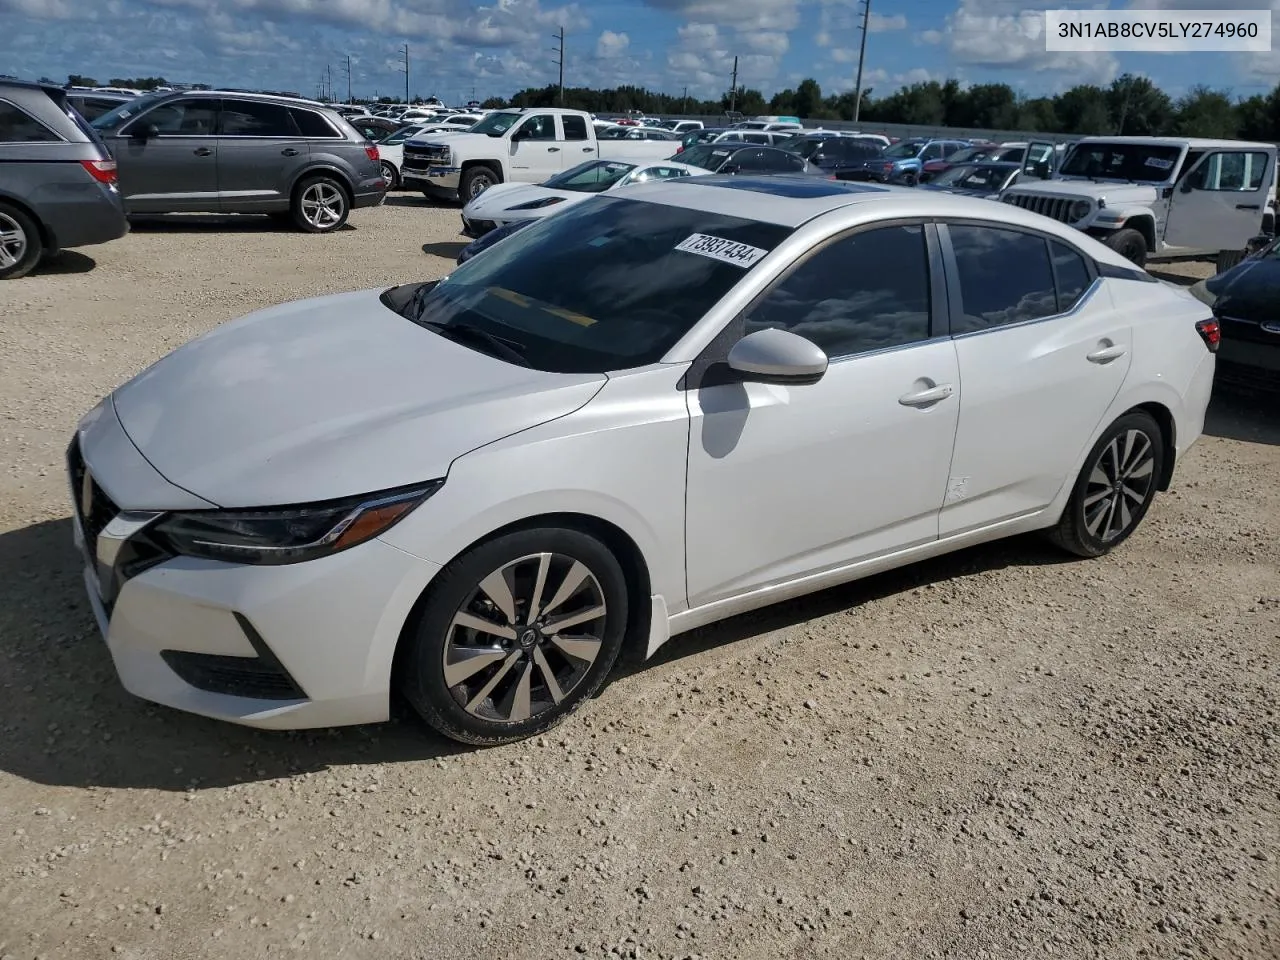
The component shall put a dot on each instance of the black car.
(492, 237)
(1246, 304)
(695, 137)
(985, 179)
(728, 158)
(846, 158)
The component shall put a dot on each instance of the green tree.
(1038, 115)
(1083, 110)
(493, 103)
(1138, 107)
(990, 106)
(77, 80)
(1206, 113)
(808, 100)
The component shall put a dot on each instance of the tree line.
(1130, 106)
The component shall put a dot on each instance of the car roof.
(792, 200)
(1195, 143)
(51, 88)
(244, 95)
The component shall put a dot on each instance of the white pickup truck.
(525, 145)
(1161, 197)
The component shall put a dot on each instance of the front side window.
(1005, 277)
(575, 127)
(541, 127)
(18, 126)
(183, 118)
(1236, 171)
(606, 285)
(868, 291)
(904, 150)
(251, 118)
(114, 119)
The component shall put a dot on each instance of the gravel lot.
(1003, 753)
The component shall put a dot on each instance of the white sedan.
(650, 412)
(504, 202)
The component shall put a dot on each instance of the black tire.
(457, 591)
(1227, 259)
(391, 175)
(910, 179)
(316, 191)
(1084, 531)
(22, 244)
(476, 180)
(1129, 243)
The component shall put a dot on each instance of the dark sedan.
(728, 158)
(836, 155)
(1246, 303)
(986, 179)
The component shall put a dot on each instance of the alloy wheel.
(1119, 485)
(323, 205)
(479, 184)
(525, 638)
(13, 241)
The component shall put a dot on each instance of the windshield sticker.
(739, 254)
(1159, 163)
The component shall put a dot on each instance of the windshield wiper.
(465, 333)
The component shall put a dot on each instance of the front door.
(536, 150)
(1219, 204)
(260, 151)
(786, 481)
(1042, 355)
(175, 170)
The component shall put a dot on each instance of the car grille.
(425, 156)
(233, 676)
(1056, 208)
(101, 510)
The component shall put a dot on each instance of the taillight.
(888, 168)
(1211, 333)
(680, 149)
(104, 171)
(372, 150)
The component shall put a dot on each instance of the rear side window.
(575, 127)
(249, 118)
(183, 118)
(18, 126)
(1005, 277)
(1070, 275)
(312, 124)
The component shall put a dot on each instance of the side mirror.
(777, 356)
(1186, 186)
(144, 131)
(1041, 168)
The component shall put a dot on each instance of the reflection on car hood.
(495, 202)
(326, 398)
(1249, 290)
(1114, 191)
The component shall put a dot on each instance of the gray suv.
(211, 151)
(59, 184)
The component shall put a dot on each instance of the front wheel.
(320, 205)
(515, 634)
(1130, 244)
(476, 181)
(1115, 487)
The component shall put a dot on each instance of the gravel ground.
(1003, 753)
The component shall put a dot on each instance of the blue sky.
(498, 46)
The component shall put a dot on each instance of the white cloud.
(611, 45)
(931, 37)
(879, 23)
(1008, 34)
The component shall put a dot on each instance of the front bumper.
(436, 179)
(285, 647)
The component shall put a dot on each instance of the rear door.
(260, 151)
(578, 144)
(1219, 203)
(177, 169)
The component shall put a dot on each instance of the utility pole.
(348, 78)
(862, 55)
(560, 62)
(684, 100)
(328, 78)
(733, 87)
(404, 60)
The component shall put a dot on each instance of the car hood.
(496, 202)
(326, 398)
(462, 140)
(1113, 191)
(960, 191)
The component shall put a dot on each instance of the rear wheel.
(1115, 487)
(20, 243)
(1228, 259)
(515, 634)
(1130, 244)
(391, 175)
(320, 205)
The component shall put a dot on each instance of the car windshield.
(1152, 163)
(801, 146)
(594, 176)
(609, 284)
(973, 177)
(401, 135)
(496, 124)
(709, 156)
(969, 153)
(113, 119)
(903, 150)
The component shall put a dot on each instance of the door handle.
(203, 152)
(553, 149)
(588, 150)
(926, 398)
(1106, 354)
(1248, 206)
(289, 152)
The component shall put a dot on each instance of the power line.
(862, 56)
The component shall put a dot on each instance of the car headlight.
(276, 535)
(537, 204)
(1079, 210)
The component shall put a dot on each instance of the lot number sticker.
(739, 254)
